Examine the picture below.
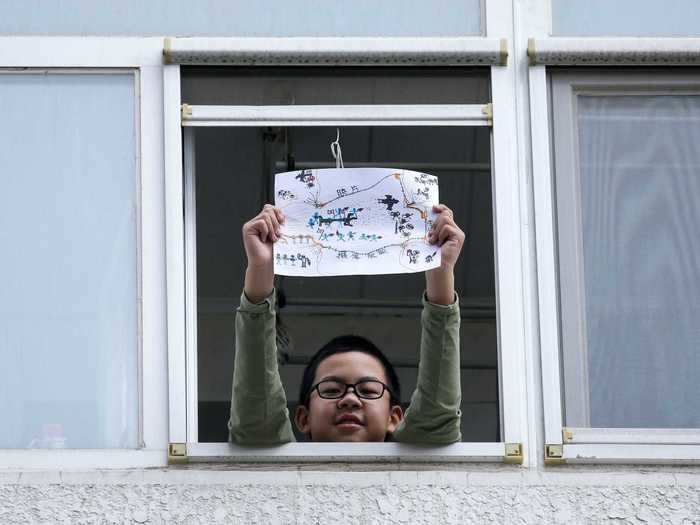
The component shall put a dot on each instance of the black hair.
(348, 343)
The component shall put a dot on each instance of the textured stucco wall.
(489, 495)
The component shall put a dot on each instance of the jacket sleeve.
(434, 416)
(259, 414)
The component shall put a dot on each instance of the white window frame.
(142, 57)
(588, 445)
(509, 270)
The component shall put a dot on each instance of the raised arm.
(434, 416)
(259, 413)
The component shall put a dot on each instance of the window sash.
(143, 57)
(508, 269)
(191, 303)
(592, 445)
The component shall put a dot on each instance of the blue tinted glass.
(626, 18)
(241, 18)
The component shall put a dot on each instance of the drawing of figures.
(313, 220)
(389, 201)
(425, 192)
(426, 179)
(285, 195)
(305, 261)
(413, 256)
(402, 224)
(340, 215)
(429, 258)
(307, 178)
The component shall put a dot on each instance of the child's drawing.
(355, 221)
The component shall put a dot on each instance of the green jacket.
(259, 414)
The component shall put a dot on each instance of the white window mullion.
(546, 258)
(190, 200)
(175, 249)
(508, 258)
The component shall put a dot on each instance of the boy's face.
(349, 418)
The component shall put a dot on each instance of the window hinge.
(167, 45)
(504, 52)
(488, 111)
(554, 455)
(567, 435)
(186, 111)
(514, 454)
(531, 54)
(177, 453)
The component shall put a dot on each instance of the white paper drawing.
(355, 221)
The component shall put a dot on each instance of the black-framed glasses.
(366, 389)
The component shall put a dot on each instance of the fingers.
(266, 225)
(272, 230)
(441, 208)
(444, 227)
(276, 214)
(450, 233)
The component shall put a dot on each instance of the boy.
(349, 391)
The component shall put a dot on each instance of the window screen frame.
(183, 443)
(141, 58)
(564, 444)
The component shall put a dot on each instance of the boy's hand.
(445, 233)
(259, 233)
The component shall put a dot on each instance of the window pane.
(226, 18)
(234, 174)
(244, 86)
(639, 194)
(625, 18)
(68, 295)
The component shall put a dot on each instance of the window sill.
(624, 454)
(344, 452)
(81, 458)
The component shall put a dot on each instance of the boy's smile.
(349, 418)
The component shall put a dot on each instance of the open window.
(619, 298)
(240, 126)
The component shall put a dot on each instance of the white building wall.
(459, 495)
